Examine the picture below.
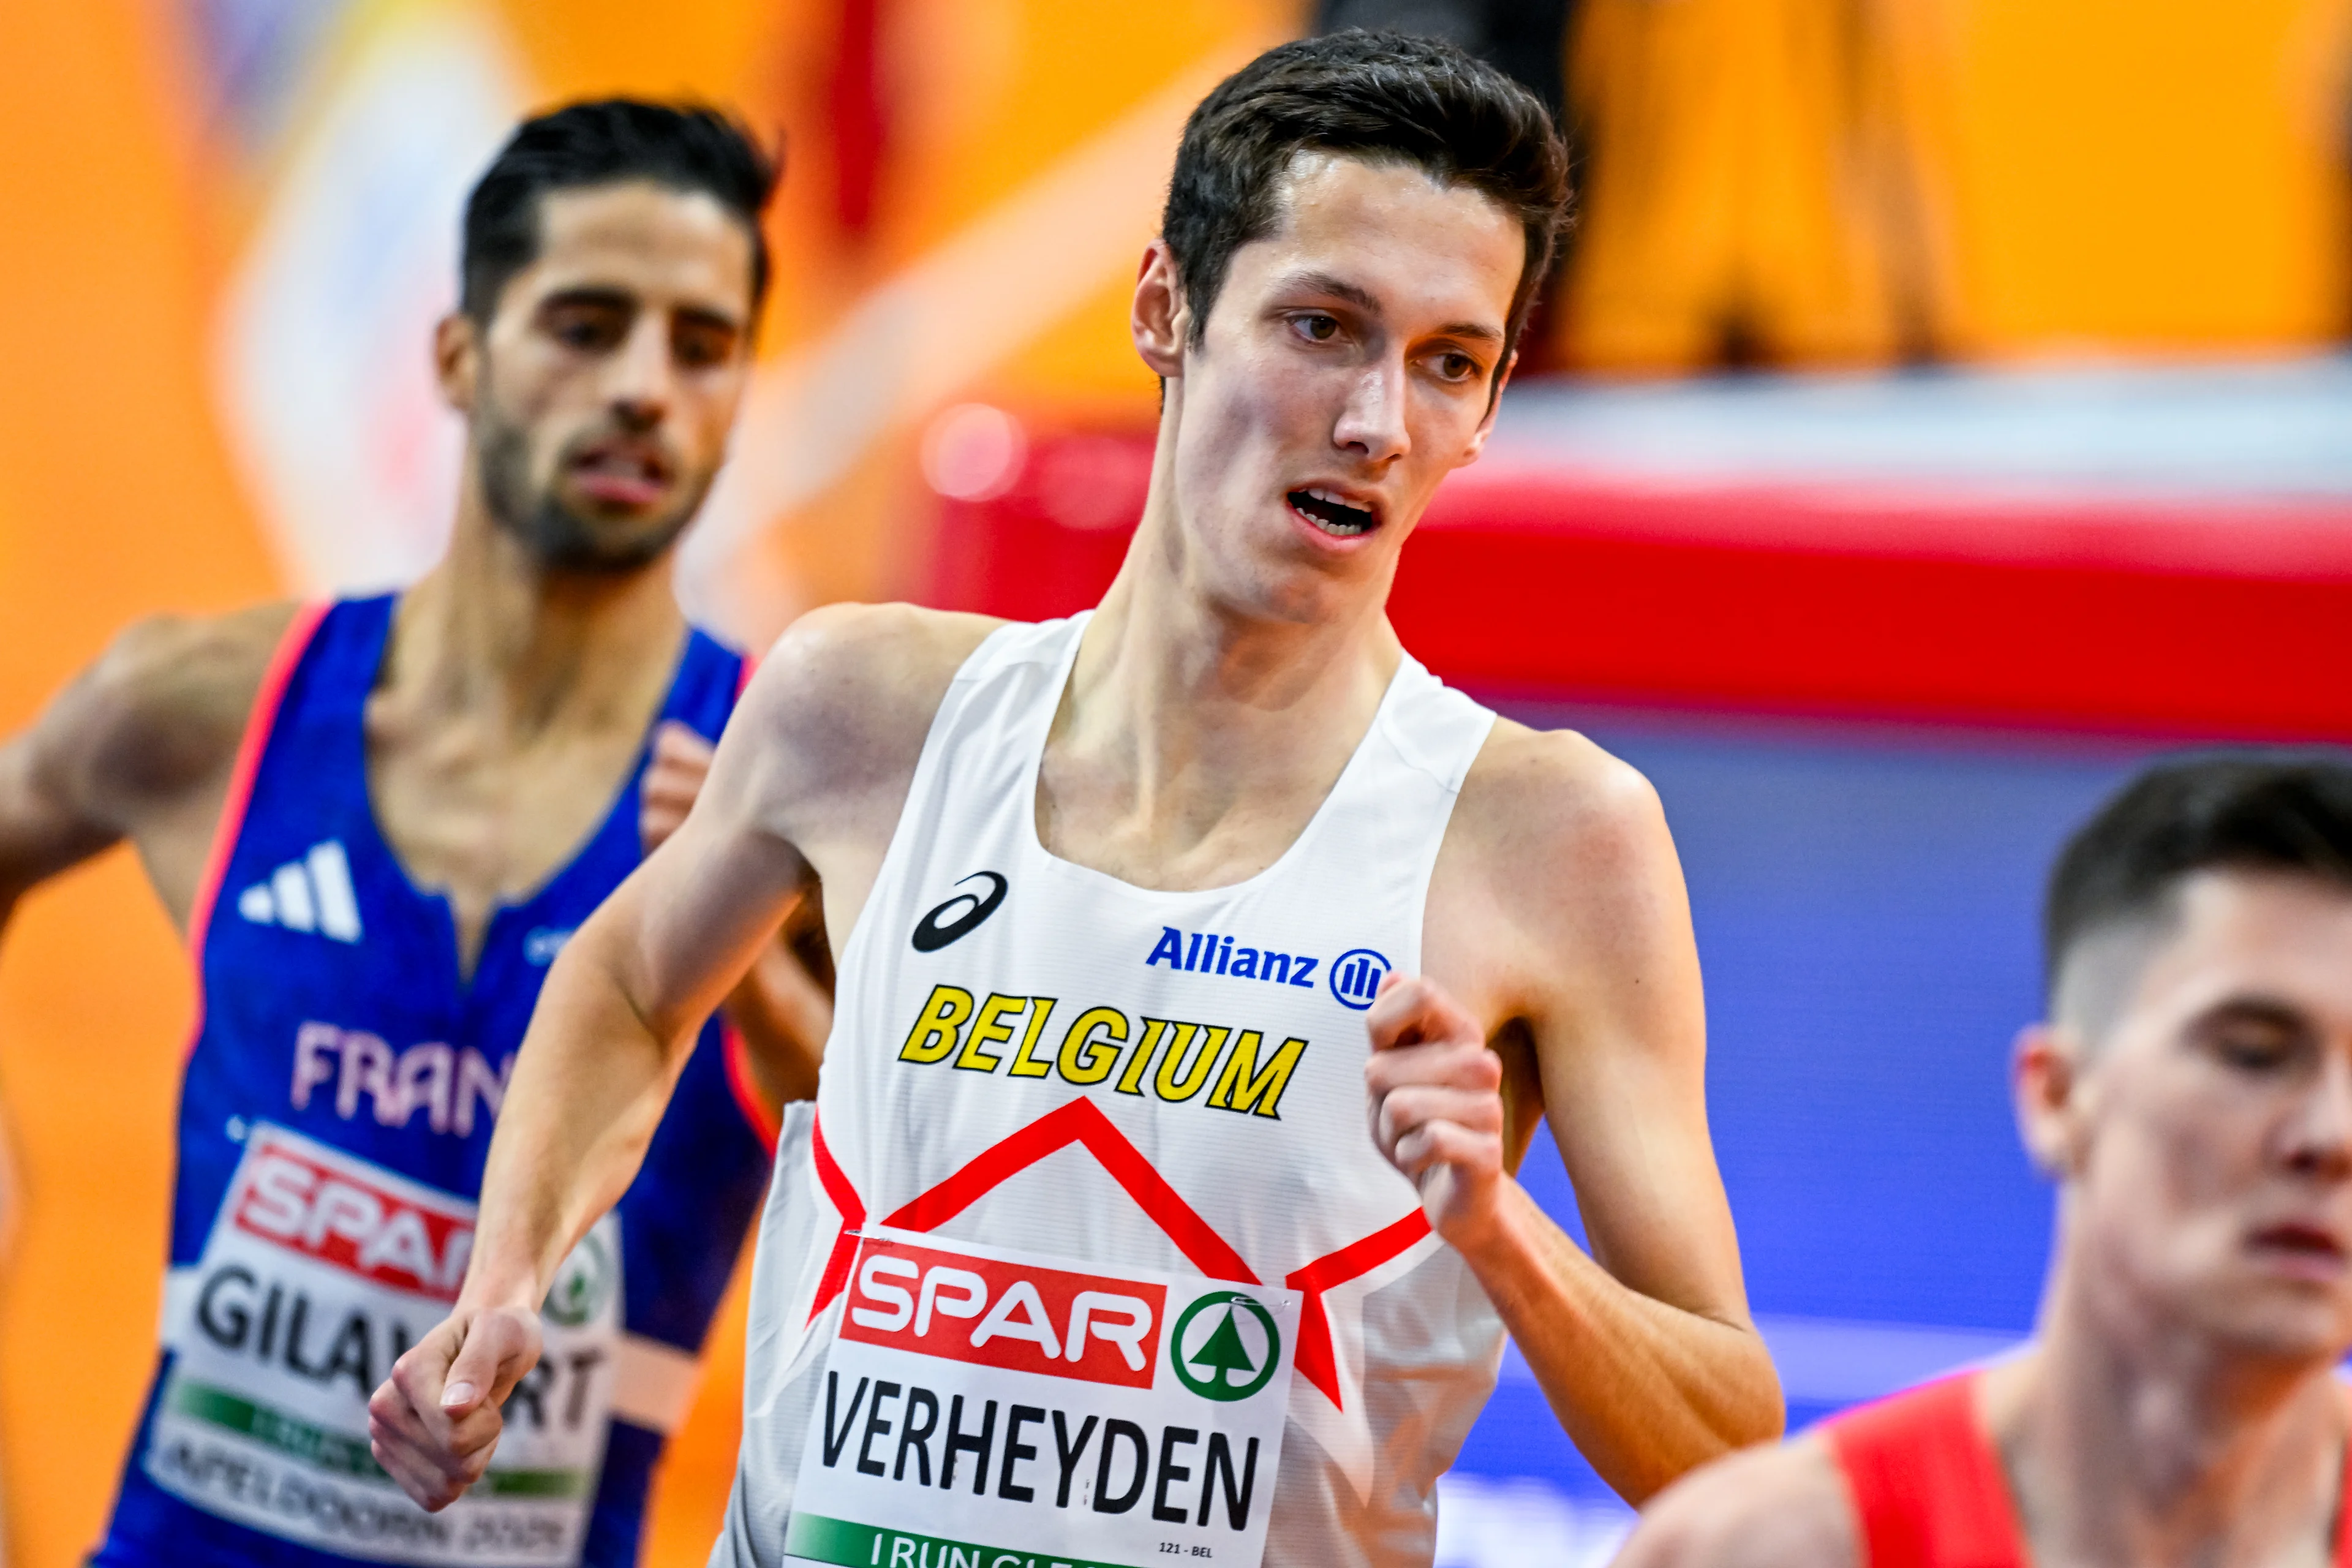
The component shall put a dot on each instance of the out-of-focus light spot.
(1090, 483)
(973, 452)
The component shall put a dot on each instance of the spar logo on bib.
(326, 1209)
(1227, 1346)
(1018, 1316)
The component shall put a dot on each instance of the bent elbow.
(1761, 1411)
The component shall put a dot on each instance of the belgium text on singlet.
(1085, 1256)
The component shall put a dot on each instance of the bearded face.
(601, 390)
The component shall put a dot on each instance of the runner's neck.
(2126, 1445)
(493, 635)
(1193, 745)
(508, 710)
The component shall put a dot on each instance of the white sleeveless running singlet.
(1031, 1057)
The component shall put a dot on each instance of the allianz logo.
(1354, 977)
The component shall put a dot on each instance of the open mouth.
(622, 473)
(1332, 514)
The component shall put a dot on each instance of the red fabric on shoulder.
(260, 721)
(1927, 1488)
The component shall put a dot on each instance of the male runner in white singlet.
(1087, 1255)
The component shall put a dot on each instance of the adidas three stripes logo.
(311, 894)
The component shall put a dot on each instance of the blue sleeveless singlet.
(335, 1112)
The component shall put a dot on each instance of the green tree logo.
(581, 1286)
(1215, 1359)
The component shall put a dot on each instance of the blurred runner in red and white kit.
(2192, 1096)
(1094, 1250)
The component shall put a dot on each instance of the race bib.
(990, 1409)
(320, 1270)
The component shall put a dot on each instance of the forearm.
(40, 835)
(1646, 1390)
(784, 1014)
(589, 1087)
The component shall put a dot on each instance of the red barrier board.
(2220, 618)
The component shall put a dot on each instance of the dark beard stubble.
(558, 538)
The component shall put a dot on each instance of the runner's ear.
(2044, 1079)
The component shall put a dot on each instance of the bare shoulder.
(162, 711)
(1780, 1507)
(846, 696)
(1555, 792)
(855, 663)
(1556, 829)
(1558, 900)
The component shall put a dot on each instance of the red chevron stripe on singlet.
(1081, 1122)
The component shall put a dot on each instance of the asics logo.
(960, 916)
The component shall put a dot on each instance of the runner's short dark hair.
(688, 147)
(1384, 97)
(2255, 810)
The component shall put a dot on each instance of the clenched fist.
(1437, 1102)
(436, 1421)
(675, 774)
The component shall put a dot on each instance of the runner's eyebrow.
(1318, 282)
(2266, 1011)
(589, 296)
(593, 297)
(706, 316)
(1476, 332)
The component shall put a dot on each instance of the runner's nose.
(1372, 423)
(2318, 1132)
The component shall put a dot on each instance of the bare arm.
(139, 747)
(811, 776)
(1784, 1507)
(783, 1007)
(48, 820)
(1561, 920)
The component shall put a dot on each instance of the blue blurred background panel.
(1867, 901)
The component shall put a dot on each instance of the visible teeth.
(1358, 519)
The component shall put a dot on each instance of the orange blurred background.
(228, 226)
